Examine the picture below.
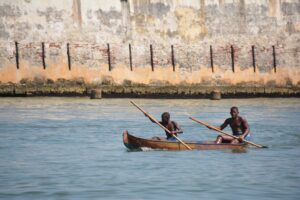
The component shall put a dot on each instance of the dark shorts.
(248, 137)
(171, 139)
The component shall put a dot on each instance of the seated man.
(239, 127)
(172, 126)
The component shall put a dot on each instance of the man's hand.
(173, 132)
(241, 138)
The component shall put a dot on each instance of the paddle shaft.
(214, 128)
(159, 124)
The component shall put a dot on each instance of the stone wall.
(204, 42)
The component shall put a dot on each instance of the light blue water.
(71, 148)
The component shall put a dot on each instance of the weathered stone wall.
(242, 32)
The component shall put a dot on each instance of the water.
(71, 148)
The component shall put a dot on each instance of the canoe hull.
(135, 143)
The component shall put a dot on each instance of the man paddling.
(172, 126)
(239, 127)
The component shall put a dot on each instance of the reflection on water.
(239, 151)
(71, 148)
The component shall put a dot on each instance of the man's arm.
(177, 128)
(224, 125)
(247, 128)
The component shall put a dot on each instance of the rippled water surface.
(71, 148)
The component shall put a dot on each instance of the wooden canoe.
(135, 143)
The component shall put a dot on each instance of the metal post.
(274, 58)
(43, 55)
(232, 58)
(211, 59)
(130, 57)
(253, 58)
(69, 57)
(151, 57)
(173, 58)
(108, 55)
(17, 55)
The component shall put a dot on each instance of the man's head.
(165, 117)
(234, 112)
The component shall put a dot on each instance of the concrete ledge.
(143, 91)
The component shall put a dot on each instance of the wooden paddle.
(214, 128)
(159, 124)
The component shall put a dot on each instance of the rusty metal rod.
(108, 57)
(173, 57)
(130, 57)
(232, 57)
(43, 55)
(211, 59)
(274, 59)
(69, 57)
(253, 58)
(17, 54)
(151, 57)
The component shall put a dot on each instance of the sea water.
(72, 148)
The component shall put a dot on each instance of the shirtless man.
(172, 126)
(239, 127)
